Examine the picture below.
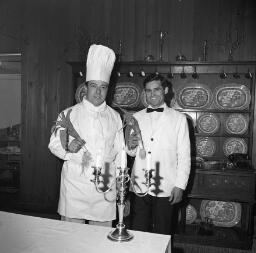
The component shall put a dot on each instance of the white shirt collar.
(161, 106)
(94, 108)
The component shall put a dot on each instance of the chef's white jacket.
(101, 128)
(166, 136)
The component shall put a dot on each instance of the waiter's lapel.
(161, 120)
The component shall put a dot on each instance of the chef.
(89, 135)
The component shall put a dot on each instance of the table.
(28, 234)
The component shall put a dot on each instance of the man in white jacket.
(165, 136)
(99, 143)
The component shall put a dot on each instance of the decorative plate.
(234, 145)
(191, 214)
(223, 214)
(126, 94)
(208, 123)
(232, 96)
(81, 91)
(236, 124)
(205, 146)
(195, 96)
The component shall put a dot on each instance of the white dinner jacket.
(169, 144)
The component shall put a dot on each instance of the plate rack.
(219, 101)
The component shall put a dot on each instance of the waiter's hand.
(133, 141)
(176, 195)
(75, 146)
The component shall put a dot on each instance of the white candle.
(148, 161)
(98, 161)
(123, 159)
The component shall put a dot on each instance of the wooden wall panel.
(140, 29)
(129, 29)
(51, 32)
(249, 51)
(48, 90)
(115, 22)
(10, 26)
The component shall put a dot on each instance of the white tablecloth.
(28, 234)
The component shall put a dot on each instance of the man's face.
(96, 92)
(155, 93)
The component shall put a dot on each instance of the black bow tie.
(155, 110)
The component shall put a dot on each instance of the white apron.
(100, 128)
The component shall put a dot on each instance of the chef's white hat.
(100, 62)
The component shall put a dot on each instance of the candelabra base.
(120, 234)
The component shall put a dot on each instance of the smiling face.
(96, 92)
(155, 93)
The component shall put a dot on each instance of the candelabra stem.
(120, 234)
(120, 212)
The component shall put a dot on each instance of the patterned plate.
(126, 94)
(232, 96)
(81, 91)
(191, 214)
(234, 145)
(208, 123)
(205, 146)
(236, 124)
(222, 214)
(195, 96)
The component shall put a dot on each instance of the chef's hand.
(133, 141)
(176, 195)
(75, 146)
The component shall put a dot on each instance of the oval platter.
(205, 147)
(126, 95)
(236, 124)
(194, 96)
(208, 123)
(234, 145)
(81, 91)
(232, 97)
(191, 214)
(222, 214)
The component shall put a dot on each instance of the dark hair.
(164, 83)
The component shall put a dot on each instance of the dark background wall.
(49, 33)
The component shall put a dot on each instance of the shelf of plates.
(218, 99)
